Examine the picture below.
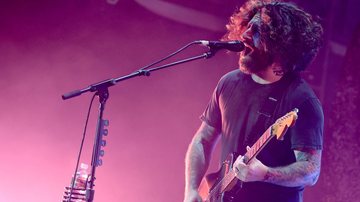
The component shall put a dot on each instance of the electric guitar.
(217, 187)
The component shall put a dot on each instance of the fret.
(265, 138)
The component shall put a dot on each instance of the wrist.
(266, 174)
(189, 193)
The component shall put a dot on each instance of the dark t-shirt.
(234, 109)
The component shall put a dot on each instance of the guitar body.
(209, 187)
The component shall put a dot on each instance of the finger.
(239, 160)
(239, 164)
(236, 164)
(236, 170)
(248, 148)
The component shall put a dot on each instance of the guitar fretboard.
(258, 146)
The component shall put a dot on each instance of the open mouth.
(247, 50)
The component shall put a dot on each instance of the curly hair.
(286, 30)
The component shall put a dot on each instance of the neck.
(267, 76)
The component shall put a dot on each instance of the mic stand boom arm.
(142, 72)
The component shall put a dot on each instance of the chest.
(243, 103)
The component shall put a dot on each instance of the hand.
(192, 196)
(253, 171)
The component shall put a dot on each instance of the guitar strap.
(267, 110)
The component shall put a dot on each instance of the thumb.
(248, 148)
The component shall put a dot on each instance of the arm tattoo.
(304, 172)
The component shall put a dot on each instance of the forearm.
(196, 163)
(300, 173)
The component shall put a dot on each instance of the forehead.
(259, 17)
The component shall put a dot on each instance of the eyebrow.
(253, 24)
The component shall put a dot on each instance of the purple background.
(48, 48)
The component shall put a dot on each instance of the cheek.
(256, 40)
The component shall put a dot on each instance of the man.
(281, 40)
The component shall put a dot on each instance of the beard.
(255, 62)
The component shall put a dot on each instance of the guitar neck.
(258, 146)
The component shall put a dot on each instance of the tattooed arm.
(197, 160)
(304, 172)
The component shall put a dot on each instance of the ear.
(277, 68)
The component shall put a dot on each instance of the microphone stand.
(101, 90)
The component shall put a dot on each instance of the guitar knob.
(106, 122)
(102, 153)
(105, 132)
(103, 143)
(99, 162)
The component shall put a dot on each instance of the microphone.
(234, 46)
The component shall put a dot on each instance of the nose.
(246, 35)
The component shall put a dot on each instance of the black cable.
(172, 54)
(81, 147)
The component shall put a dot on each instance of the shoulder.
(300, 92)
(232, 78)
(300, 95)
(232, 75)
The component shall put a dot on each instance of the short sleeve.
(308, 130)
(212, 113)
